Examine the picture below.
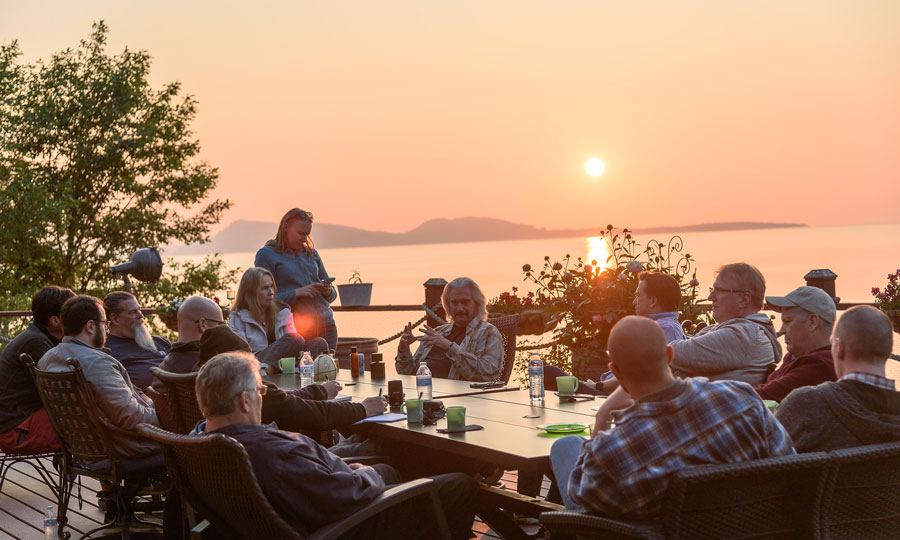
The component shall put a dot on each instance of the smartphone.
(328, 281)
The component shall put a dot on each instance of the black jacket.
(19, 398)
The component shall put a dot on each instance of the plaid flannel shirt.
(871, 379)
(625, 471)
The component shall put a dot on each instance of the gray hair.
(477, 295)
(222, 378)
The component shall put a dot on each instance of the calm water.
(861, 256)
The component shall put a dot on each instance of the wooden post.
(823, 279)
(434, 288)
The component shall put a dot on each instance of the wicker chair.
(862, 495)
(214, 474)
(773, 498)
(507, 326)
(87, 445)
(181, 399)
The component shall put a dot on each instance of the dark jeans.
(328, 332)
(290, 346)
(552, 372)
(457, 493)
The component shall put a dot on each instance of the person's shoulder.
(267, 251)
(162, 342)
(805, 395)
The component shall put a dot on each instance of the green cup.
(456, 418)
(770, 404)
(566, 384)
(288, 365)
(413, 410)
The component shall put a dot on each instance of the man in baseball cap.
(807, 318)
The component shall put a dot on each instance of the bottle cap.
(377, 357)
(352, 350)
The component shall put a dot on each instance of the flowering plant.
(511, 303)
(171, 308)
(889, 298)
(586, 300)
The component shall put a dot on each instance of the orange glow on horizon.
(598, 250)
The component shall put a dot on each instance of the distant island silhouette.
(242, 236)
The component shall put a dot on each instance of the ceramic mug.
(566, 384)
(288, 365)
(413, 410)
(456, 418)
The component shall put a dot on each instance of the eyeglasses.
(262, 390)
(104, 323)
(720, 291)
(208, 320)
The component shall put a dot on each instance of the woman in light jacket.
(300, 276)
(266, 324)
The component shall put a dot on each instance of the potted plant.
(355, 293)
(534, 311)
(888, 300)
(168, 313)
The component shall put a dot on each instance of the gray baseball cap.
(812, 299)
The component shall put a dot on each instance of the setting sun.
(594, 167)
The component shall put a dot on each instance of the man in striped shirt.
(673, 424)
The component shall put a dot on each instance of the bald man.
(863, 406)
(672, 424)
(195, 315)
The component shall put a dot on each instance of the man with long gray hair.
(468, 348)
(130, 341)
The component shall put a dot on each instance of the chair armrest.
(423, 487)
(204, 531)
(589, 525)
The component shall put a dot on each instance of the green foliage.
(95, 164)
(588, 299)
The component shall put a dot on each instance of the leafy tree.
(94, 164)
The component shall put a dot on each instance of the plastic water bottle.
(361, 357)
(51, 526)
(536, 378)
(307, 370)
(423, 381)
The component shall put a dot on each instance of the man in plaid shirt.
(673, 424)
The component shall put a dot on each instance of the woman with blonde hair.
(267, 324)
(300, 276)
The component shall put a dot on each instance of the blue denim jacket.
(294, 271)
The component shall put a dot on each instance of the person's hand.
(332, 388)
(618, 400)
(321, 288)
(407, 336)
(375, 405)
(306, 291)
(434, 339)
(357, 466)
(608, 386)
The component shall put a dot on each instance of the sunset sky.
(383, 114)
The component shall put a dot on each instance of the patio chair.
(87, 446)
(507, 326)
(168, 420)
(773, 498)
(181, 399)
(862, 495)
(213, 473)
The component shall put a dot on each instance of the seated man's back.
(863, 406)
(673, 424)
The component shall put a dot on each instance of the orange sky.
(384, 114)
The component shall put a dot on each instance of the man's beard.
(142, 337)
(99, 340)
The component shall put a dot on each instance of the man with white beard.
(129, 339)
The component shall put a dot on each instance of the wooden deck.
(25, 496)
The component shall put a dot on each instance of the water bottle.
(423, 381)
(536, 378)
(362, 363)
(307, 370)
(50, 525)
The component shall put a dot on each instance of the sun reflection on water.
(598, 250)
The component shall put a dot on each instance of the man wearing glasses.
(85, 327)
(742, 345)
(196, 315)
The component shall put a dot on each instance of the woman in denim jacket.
(299, 276)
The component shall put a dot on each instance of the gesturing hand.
(434, 339)
(407, 336)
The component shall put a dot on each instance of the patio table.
(510, 439)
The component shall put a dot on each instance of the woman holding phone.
(267, 324)
(300, 276)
